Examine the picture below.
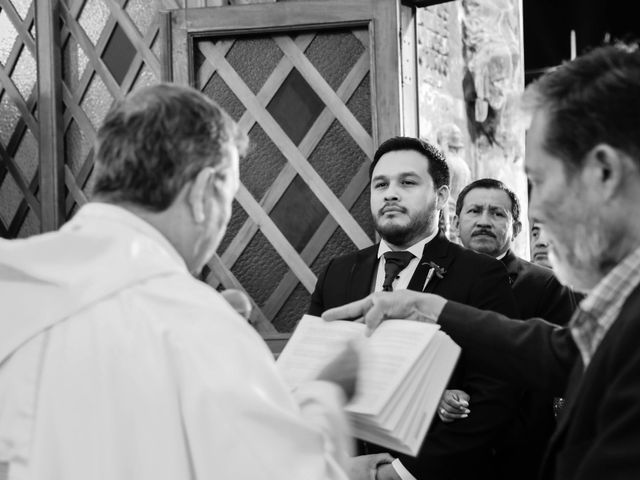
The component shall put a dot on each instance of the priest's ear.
(198, 193)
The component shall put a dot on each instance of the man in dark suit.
(488, 221)
(583, 160)
(409, 187)
(539, 244)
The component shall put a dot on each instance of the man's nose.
(391, 193)
(542, 240)
(484, 219)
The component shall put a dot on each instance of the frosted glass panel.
(8, 119)
(22, 7)
(8, 35)
(25, 73)
(93, 18)
(141, 14)
(97, 101)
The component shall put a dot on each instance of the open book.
(404, 368)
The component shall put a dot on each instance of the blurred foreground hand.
(239, 301)
(367, 467)
(343, 370)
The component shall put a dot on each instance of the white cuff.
(401, 470)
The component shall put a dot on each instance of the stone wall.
(470, 77)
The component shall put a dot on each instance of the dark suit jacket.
(598, 434)
(537, 291)
(538, 294)
(460, 449)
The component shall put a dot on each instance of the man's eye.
(379, 184)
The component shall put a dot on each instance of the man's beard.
(582, 265)
(405, 235)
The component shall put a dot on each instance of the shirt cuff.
(401, 470)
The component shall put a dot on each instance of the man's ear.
(517, 228)
(197, 193)
(442, 196)
(455, 221)
(605, 169)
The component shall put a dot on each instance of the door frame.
(381, 17)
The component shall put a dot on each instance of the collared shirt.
(600, 309)
(401, 282)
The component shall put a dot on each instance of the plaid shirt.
(600, 309)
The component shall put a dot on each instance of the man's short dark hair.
(156, 140)
(591, 100)
(438, 168)
(491, 184)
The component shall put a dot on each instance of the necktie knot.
(394, 263)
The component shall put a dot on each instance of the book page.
(387, 357)
(313, 345)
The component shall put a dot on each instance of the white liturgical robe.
(115, 363)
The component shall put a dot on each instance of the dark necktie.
(394, 263)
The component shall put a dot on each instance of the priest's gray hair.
(156, 140)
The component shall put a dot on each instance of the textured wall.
(494, 80)
(470, 75)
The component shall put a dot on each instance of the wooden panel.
(94, 58)
(279, 16)
(321, 237)
(14, 95)
(326, 93)
(386, 70)
(288, 148)
(23, 45)
(287, 174)
(141, 46)
(144, 57)
(49, 114)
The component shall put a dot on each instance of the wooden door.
(316, 85)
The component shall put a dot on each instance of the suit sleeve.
(533, 354)
(317, 304)
(558, 304)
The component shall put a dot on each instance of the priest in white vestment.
(115, 362)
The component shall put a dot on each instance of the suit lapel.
(438, 252)
(362, 273)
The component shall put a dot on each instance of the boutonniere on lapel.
(436, 270)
